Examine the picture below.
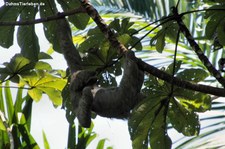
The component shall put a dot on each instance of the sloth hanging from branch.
(87, 97)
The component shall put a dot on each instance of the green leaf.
(2, 107)
(160, 44)
(212, 25)
(2, 126)
(193, 101)
(19, 101)
(177, 67)
(124, 39)
(95, 60)
(18, 65)
(44, 82)
(46, 144)
(40, 65)
(101, 144)
(27, 110)
(159, 38)
(85, 136)
(53, 93)
(135, 40)
(26, 136)
(169, 29)
(216, 17)
(35, 94)
(115, 24)
(183, 120)
(26, 36)
(50, 28)
(140, 122)
(194, 75)
(125, 25)
(221, 32)
(9, 102)
(4, 73)
(159, 138)
(104, 50)
(8, 14)
(92, 42)
(43, 55)
(80, 20)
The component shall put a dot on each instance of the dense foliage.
(186, 36)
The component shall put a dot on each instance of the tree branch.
(109, 34)
(41, 20)
(214, 72)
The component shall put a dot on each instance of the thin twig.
(47, 19)
(174, 62)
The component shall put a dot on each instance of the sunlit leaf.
(40, 65)
(9, 102)
(43, 82)
(35, 94)
(2, 127)
(124, 39)
(193, 101)
(46, 144)
(101, 144)
(78, 39)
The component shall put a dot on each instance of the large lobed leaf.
(149, 118)
(79, 20)
(8, 14)
(169, 29)
(18, 65)
(26, 36)
(148, 122)
(183, 120)
(215, 25)
(42, 82)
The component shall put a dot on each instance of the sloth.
(112, 102)
(87, 97)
